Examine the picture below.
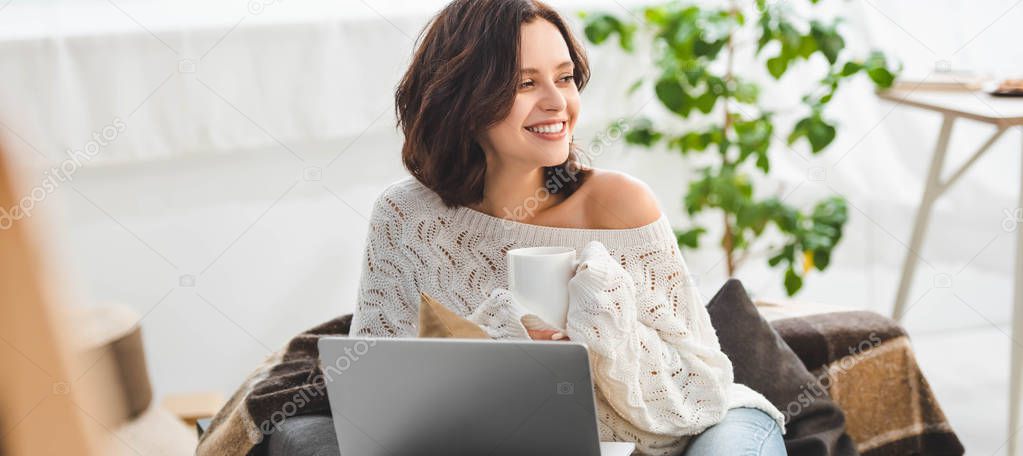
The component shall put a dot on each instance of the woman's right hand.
(546, 334)
(541, 330)
(496, 316)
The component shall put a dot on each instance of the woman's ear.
(481, 141)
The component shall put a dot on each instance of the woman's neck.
(515, 194)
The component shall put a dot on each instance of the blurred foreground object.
(39, 411)
(74, 379)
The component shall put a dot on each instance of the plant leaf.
(689, 238)
(599, 27)
(851, 68)
(672, 95)
(746, 92)
(819, 133)
(705, 102)
(793, 282)
(777, 66)
(881, 76)
(641, 132)
(828, 40)
(877, 69)
(634, 86)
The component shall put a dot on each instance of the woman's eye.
(528, 84)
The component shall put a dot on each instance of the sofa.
(847, 381)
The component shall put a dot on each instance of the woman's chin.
(555, 159)
(545, 154)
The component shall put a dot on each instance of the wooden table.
(1001, 113)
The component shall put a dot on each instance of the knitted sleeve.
(500, 316)
(385, 307)
(655, 356)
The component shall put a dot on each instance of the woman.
(488, 108)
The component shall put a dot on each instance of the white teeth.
(551, 128)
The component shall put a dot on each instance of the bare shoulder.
(616, 200)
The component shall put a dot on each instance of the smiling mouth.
(551, 131)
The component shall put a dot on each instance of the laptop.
(458, 397)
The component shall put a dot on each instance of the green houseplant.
(695, 48)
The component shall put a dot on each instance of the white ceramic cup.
(538, 280)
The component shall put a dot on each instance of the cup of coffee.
(538, 280)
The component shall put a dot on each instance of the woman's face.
(539, 127)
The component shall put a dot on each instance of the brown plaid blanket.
(287, 383)
(866, 364)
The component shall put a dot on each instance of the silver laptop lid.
(459, 397)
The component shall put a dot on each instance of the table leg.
(1016, 362)
(932, 188)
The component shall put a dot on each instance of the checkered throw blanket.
(286, 384)
(866, 364)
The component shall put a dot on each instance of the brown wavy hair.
(463, 79)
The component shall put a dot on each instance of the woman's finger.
(541, 334)
(547, 334)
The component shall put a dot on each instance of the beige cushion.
(435, 320)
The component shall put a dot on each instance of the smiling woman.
(488, 107)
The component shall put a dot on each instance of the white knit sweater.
(660, 376)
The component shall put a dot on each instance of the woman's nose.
(553, 100)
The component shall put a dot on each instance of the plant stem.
(730, 56)
(728, 244)
(728, 241)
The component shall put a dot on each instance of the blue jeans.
(743, 432)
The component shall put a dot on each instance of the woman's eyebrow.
(565, 64)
